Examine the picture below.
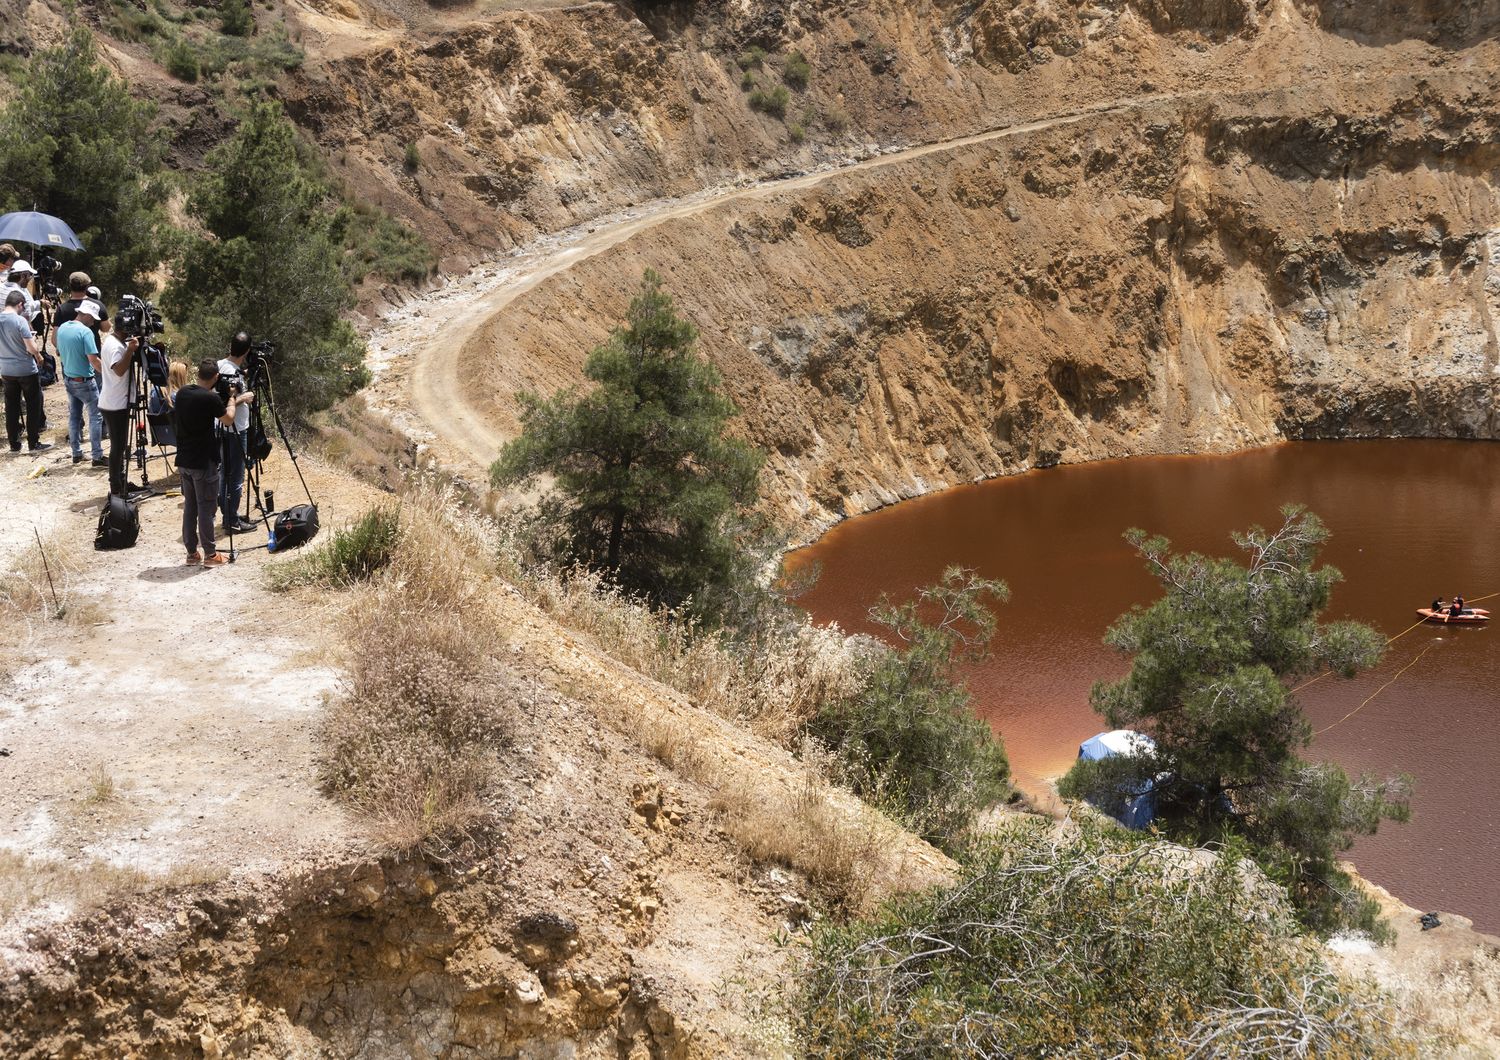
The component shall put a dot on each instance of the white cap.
(93, 293)
(92, 308)
(21, 265)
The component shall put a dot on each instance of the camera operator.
(20, 361)
(199, 410)
(232, 484)
(116, 358)
(7, 256)
(79, 291)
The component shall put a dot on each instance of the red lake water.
(1410, 519)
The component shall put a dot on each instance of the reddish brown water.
(1410, 520)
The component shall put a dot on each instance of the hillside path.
(415, 351)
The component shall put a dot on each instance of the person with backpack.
(200, 411)
(20, 361)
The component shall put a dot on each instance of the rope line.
(1382, 688)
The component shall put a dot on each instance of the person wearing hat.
(7, 255)
(78, 292)
(19, 279)
(79, 354)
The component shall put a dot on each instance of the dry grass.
(773, 687)
(101, 786)
(1454, 1003)
(77, 886)
(40, 586)
(409, 745)
(349, 435)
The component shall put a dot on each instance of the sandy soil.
(162, 725)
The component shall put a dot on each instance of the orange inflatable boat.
(1472, 616)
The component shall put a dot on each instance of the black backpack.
(296, 526)
(119, 525)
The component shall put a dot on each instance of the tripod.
(265, 402)
(136, 428)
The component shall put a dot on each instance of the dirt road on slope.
(415, 352)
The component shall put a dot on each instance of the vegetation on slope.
(1088, 942)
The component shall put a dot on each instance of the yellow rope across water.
(1382, 688)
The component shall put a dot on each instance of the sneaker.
(214, 559)
(194, 558)
(244, 526)
(99, 461)
(77, 458)
(40, 447)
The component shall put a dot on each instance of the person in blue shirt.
(79, 354)
(19, 359)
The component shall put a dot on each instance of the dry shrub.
(351, 436)
(28, 882)
(409, 744)
(40, 585)
(773, 684)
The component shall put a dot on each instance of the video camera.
(260, 355)
(138, 319)
(47, 267)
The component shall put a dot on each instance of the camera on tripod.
(139, 319)
(47, 268)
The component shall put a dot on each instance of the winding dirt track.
(425, 341)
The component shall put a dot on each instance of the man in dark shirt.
(199, 412)
(78, 291)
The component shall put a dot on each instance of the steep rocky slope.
(1315, 256)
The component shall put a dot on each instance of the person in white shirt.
(19, 279)
(232, 481)
(115, 360)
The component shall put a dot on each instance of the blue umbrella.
(28, 226)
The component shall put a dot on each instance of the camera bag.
(296, 526)
(119, 525)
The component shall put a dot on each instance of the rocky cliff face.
(1302, 245)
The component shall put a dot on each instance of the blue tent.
(1140, 799)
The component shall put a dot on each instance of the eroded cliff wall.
(1315, 255)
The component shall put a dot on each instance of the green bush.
(374, 241)
(752, 58)
(748, 81)
(797, 72)
(797, 132)
(773, 102)
(180, 57)
(413, 159)
(1083, 944)
(908, 740)
(235, 18)
(352, 555)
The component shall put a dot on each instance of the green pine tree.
(649, 486)
(1209, 683)
(74, 144)
(270, 264)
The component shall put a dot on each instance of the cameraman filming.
(234, 438)
(199, 411)
(116, 359)
(79, 291)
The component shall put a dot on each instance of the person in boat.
(1458, 602)
(1456, 608)
(1439, 606)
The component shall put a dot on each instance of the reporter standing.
(199, 411)
(20, 359)
(79, 354)
(115, 357)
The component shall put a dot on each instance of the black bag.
(48, 369)
(296, 526)
(119, 525)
